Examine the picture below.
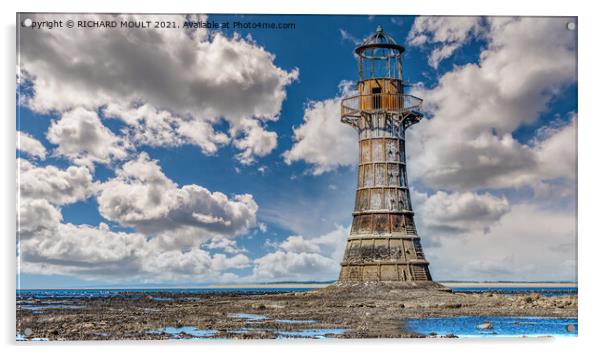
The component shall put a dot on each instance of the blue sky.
(294, 196)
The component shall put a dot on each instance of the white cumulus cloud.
(30, 145)
(141, 196)
(448, 33)
(53, 184)
(187, 78)
(475, 108)
(442, 215)
(529, 243)
(97, 253)
(303, 258)
(322, 140)
(83, 139)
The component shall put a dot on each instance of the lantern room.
(380, 68)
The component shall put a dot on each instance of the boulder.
(485, 325)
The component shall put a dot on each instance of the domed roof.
(379, 39)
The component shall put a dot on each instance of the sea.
(464, 326)
(91, 293)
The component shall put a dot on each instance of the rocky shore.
(366, 310)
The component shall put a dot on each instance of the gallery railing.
(390, 102)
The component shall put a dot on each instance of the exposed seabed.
(341, 310)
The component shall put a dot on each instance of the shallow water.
(248, 316)
(50, 306)
(296, 321)
(466, 326)
(176, 332)
(21, 337)
(317, 333)
(37, 309)
(543, 291)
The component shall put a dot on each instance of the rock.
(452, 306)
(485, 325)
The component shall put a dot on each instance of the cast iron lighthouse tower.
(383, 244)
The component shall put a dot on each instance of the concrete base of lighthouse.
(385, 271)
(394, 257)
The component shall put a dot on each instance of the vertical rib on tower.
(383, 244)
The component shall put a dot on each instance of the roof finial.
(379, 29)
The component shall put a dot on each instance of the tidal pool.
(248, 316)
(50, 306)
(21, 338)
(317, 333)
(466, 326)
(295, 321)
(36, 309)
(176, 332)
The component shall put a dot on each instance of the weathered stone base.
(385, 271)
(383, 289)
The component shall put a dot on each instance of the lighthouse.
(383, 244)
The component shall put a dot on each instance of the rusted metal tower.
(383, 244)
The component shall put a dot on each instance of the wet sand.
(373, 310)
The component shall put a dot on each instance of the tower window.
(376, 98)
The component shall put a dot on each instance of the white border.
(590, 116)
